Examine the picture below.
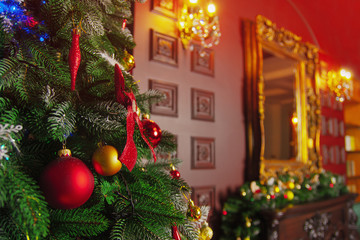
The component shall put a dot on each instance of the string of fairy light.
(13, 15)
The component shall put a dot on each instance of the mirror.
(280, 115)
(281, 104)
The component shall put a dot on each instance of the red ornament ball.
(175, 174)
(67, 183)
(152, 131)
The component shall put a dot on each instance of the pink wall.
(228, 128)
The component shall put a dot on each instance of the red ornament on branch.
(74, 56)
(67, 182)
(174, 173)
(152, 131)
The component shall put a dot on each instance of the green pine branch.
(78, 222)
(27, 207)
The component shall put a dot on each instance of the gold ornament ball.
(206, 233)
(129, 61)
(193, 212)
(105, 160)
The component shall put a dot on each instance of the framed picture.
(203, 153)
(204, 196)
(202, 60)
(169, 105)
(163, 48)
(202, 105)
(167, 8)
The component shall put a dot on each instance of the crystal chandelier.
(341, 84)
(197, 25)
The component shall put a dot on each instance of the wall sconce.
(199, 25)
(341, 84)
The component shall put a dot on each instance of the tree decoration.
(105, 160)
(206, 233)
(119, 83)
(127, 99)
(194, 212)
(129, 154)
(129, 61)
(174, 173)
(175, 233)
(74, 56)
(66, 182)
(152, 131)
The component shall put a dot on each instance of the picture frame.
(202, 105)
(167, 8)
(169, 105)
(163, 48)
(202, 60)
(202, 153)
(204, 196)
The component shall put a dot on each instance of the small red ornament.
(174, 173)
(67, 182)
(74, 56)
(175, 233)
(152, 131)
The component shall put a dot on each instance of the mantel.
(321, 220)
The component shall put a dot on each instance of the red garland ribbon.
(129, 154)
(120, 86)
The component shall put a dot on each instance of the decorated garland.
(241, 218)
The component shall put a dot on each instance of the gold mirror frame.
(264, 34)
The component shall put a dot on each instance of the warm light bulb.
(343, 72)
(211, 8)
(193, 1)
(294, 120)
(348, 75)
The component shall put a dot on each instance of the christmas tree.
(66, 84)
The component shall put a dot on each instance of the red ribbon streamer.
(129, 154)
(120, 86)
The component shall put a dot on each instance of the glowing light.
(199, 26)
(294, 120)
(341, 84)
(211, 8)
